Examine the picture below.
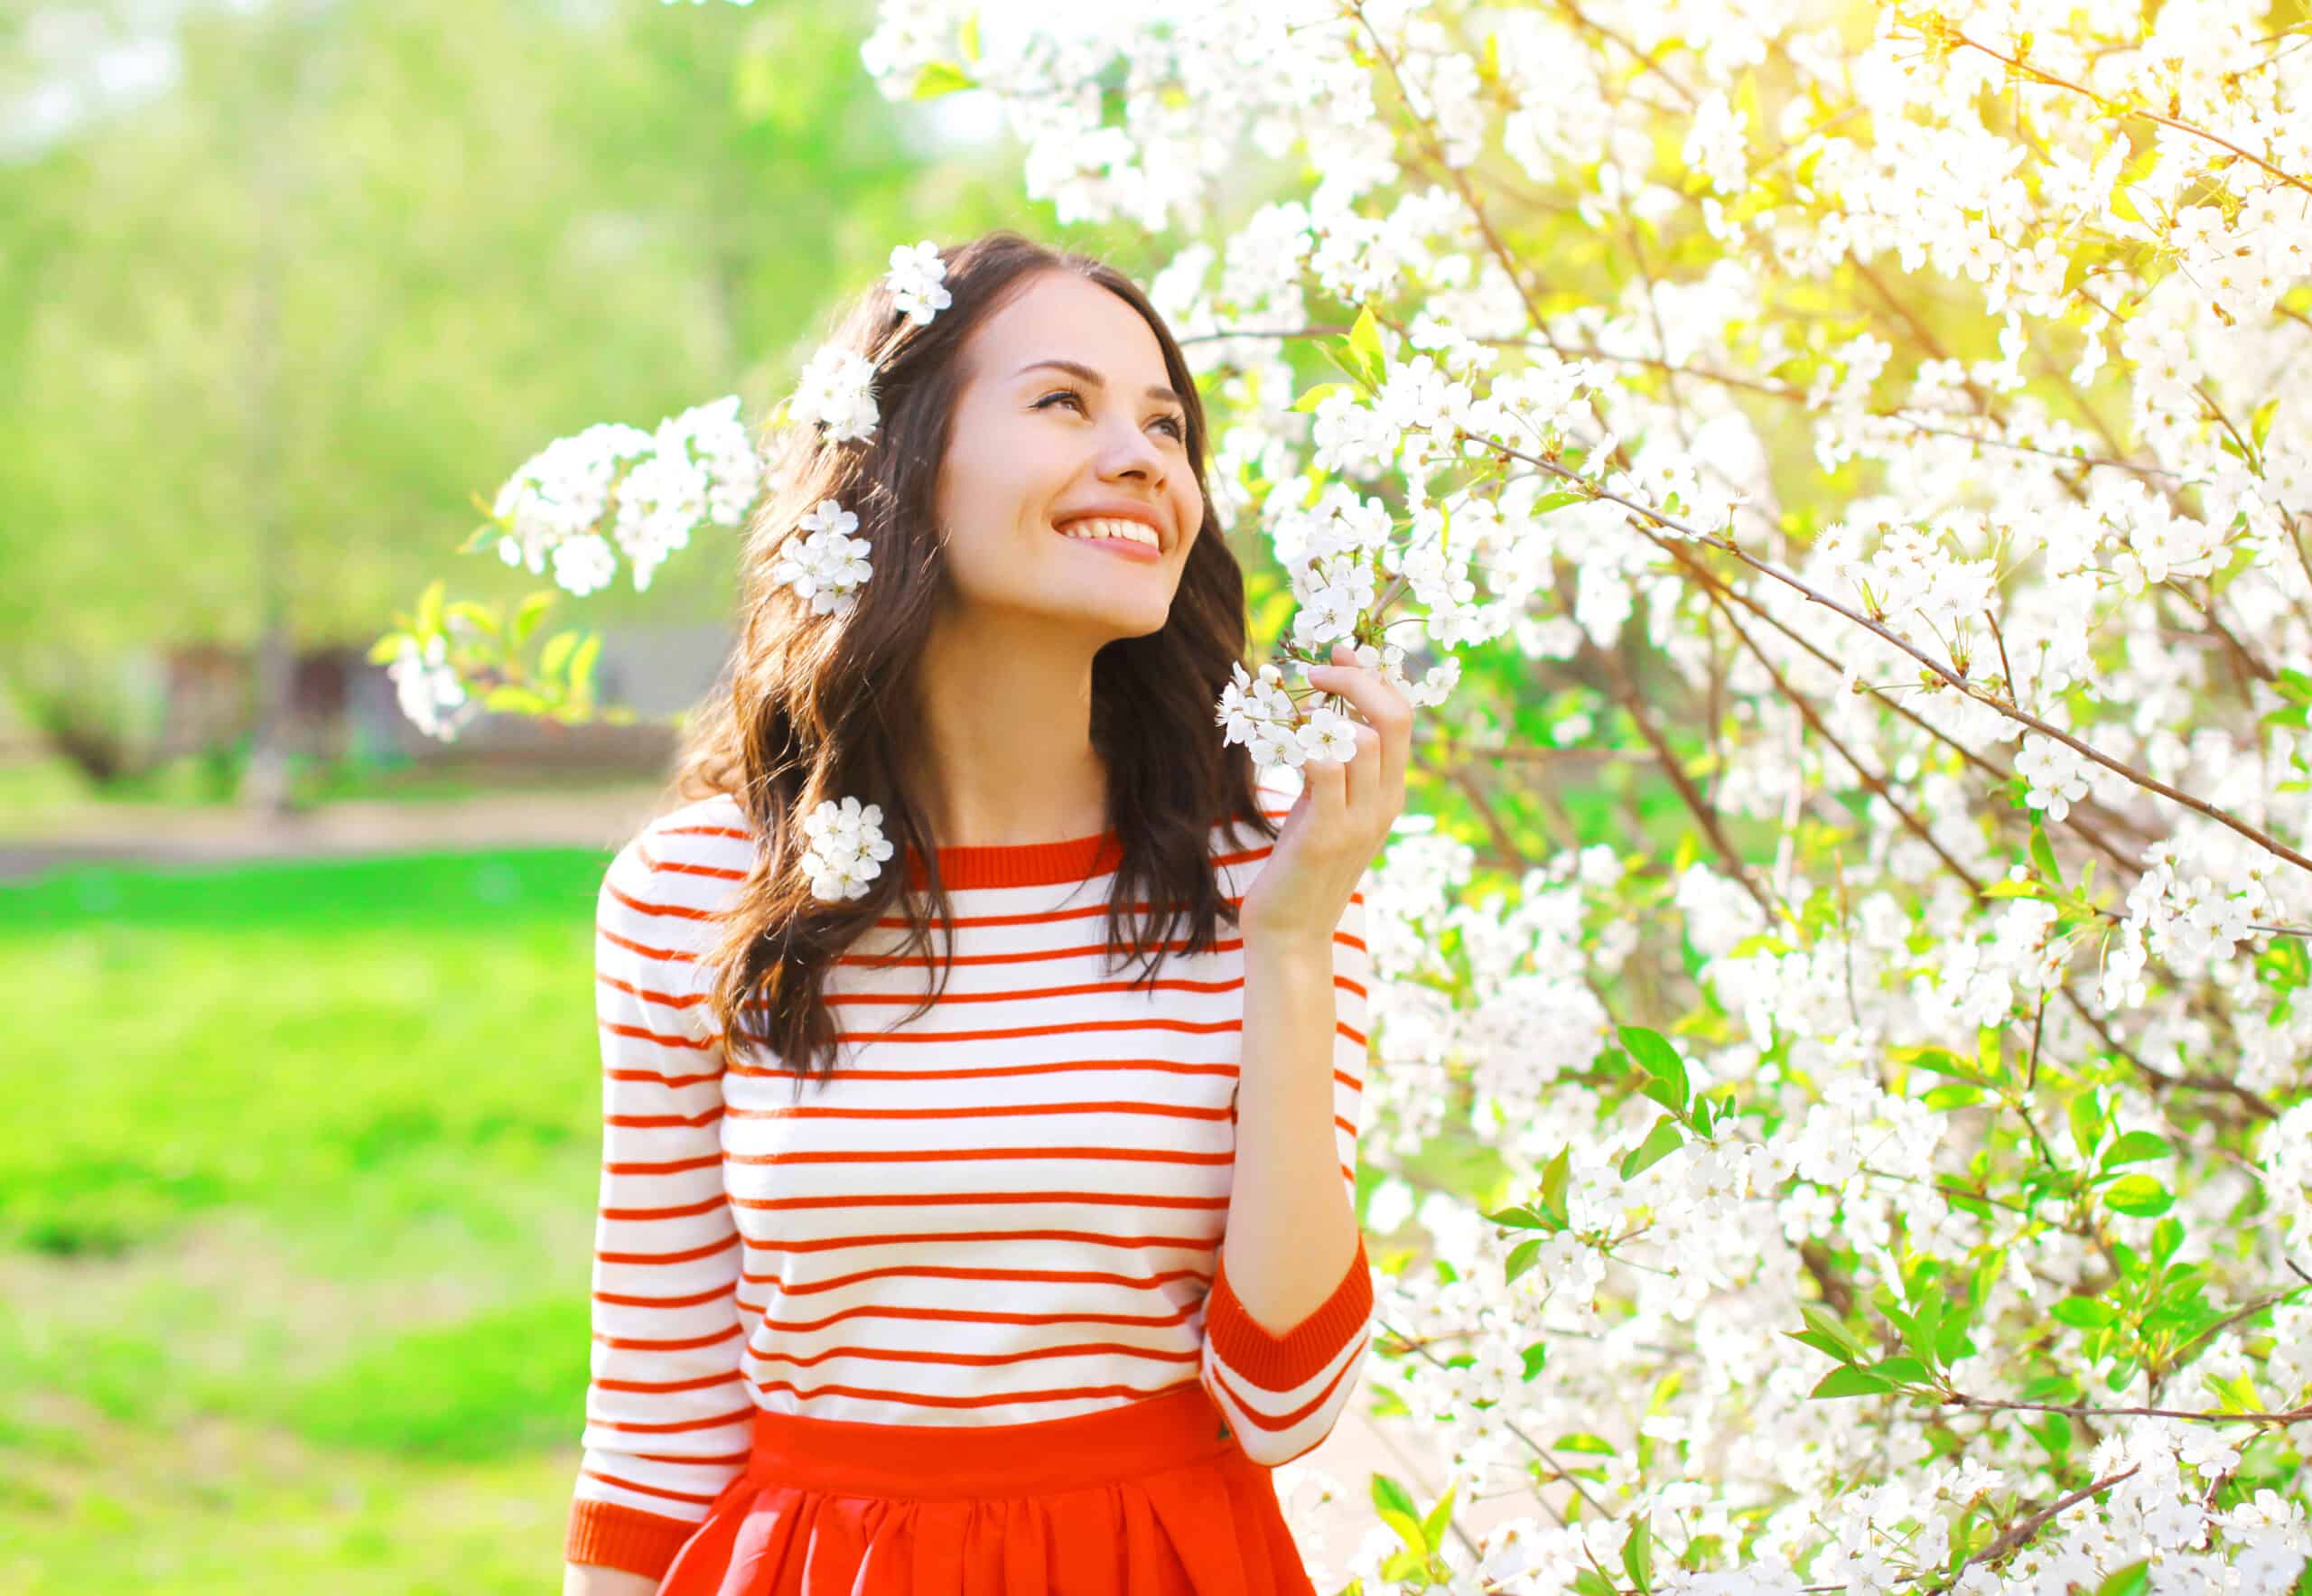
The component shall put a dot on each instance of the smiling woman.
(964, 1320)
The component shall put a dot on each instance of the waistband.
(848, 1458)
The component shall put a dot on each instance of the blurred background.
(299, 1118)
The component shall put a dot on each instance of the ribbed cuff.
(1279, 1363)
(613, 1535)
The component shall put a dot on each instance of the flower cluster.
(827, 565)
(699, 466)
(837, 389)
(836, 393)
(846, 849)
(915, 280)
(428, 688)
(1260, 713)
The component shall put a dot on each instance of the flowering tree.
(1884, 437)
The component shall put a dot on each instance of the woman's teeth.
(1135, 531)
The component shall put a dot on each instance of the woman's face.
(1034, 445)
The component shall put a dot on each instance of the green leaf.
(2003, 888)
(1822, 1344)
(940, 77)
(1364, 338)
(1823, 1323)
(1520, 1258)
(428, 624)
(2043, 854)
(1589, 1582)
(1939, 1060)
(582, 664)
(1663, 1093)
(1850, 1382)
(1901, 1371)
(1991, 1054)
(1966, 1202)
(2134, 1580)
(2086, 1121)
(1388, 1493)
(1658, 1059)
(526, 618)
(1638, 1555)
(2083, 1312)
(1320, 393)
(510, 699)
(2238, 1394)
(967, 36)
(481, 617)
(2141, 1196)
(1351, 364)
(1581, 1440)
(1928, 1303)
(2135, 1146)
(1660, 1142)
(383, 650)
(1536, 1357)
(1951, 1343)
(1554, 1175)
(1408, 1530)
(557, 651)
(1440, 1516)
(2260, 420)
(1956, 1094)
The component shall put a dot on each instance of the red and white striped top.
(1007, 1211)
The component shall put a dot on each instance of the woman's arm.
(590, 1579)
(667, 1409)
(1291, 1221)
(1281, 1359)
(1289, 1313)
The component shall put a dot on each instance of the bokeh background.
(299, 1108)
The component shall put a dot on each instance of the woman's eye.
(1180, 428)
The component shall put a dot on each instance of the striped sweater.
(1009, 1210)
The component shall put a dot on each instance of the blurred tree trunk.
(274, 145)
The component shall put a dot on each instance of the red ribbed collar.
(1021, 864)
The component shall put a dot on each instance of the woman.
(955, 1318)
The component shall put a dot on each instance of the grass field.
(297, 1174)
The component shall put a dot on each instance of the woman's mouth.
(1132, 539)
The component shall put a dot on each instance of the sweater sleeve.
(1281, 1393)
(669, 1415)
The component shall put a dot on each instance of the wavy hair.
(815, 706)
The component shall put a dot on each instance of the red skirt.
(1153, 1498)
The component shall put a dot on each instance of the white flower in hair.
(914, 278)
(828, 565)
(847, 848)
(837, 390)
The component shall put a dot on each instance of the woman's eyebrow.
(1078, 368)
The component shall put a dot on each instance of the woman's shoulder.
(681, 867)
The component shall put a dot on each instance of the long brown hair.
(818, 706)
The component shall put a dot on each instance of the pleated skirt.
(1153, 1497)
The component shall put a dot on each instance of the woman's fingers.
(1388, 730)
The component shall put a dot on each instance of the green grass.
(297, 1171)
